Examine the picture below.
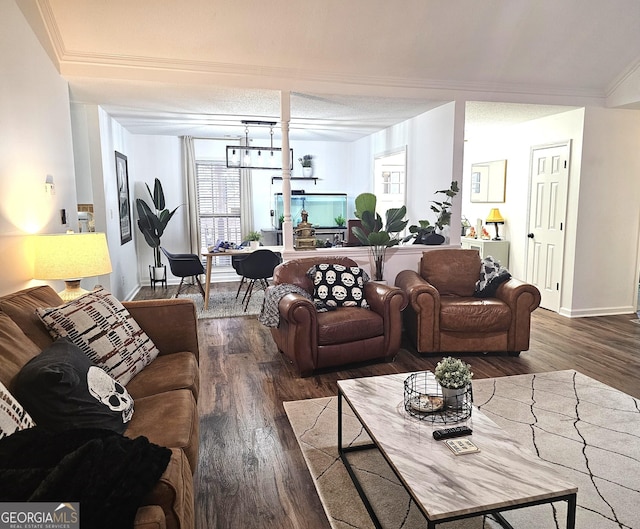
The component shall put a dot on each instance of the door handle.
(530, 235)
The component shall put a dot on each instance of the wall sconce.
(71, 257)
(245, 157)
(495, 218)
(49, 186)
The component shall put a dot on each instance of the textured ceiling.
(199, 66)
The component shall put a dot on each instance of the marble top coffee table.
(445, 486)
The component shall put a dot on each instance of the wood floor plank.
(251, 472)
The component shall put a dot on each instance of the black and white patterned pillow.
(336, 285)
(105, 331)
(13, 417)
(492, 275)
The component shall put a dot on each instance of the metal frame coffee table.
(445, 487)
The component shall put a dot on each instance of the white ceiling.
(198, 67)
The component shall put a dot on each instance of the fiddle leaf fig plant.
(153, 221)
(376, 235)
(443, 209)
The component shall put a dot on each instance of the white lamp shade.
(70, 256)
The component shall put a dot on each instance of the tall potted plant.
(152, 222)
(373, 234)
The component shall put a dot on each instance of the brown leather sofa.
(443, 316)
(312, 340)
(165, 392)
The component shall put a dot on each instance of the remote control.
(447, 433)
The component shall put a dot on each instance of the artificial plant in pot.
(254, 238)
(307, 164)
(454, 377)
(153, 222)
(425, 232)
(377, 236)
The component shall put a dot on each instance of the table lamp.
(495, 218)
(70, 257)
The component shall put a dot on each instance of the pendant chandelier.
(246, 157)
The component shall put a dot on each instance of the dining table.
(223, 253)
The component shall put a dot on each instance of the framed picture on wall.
(122, 176)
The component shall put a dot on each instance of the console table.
(499, 250)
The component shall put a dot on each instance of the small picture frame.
(124, 204)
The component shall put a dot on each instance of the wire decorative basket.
(426, 400)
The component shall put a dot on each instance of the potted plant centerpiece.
(425, 232)
(152, 223)
(254, 239)
(454, 377)
(307, 165)
(373, 234)
(339, 220)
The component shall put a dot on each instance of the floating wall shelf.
(308, 178)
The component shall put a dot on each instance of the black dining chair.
(235, 259)
(185, 265)
(256, 268)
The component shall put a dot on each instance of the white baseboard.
(597, 311)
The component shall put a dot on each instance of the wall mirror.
(488, 181)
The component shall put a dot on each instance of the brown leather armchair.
(312, 340)
(444, 316)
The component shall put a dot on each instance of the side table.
(499, 250)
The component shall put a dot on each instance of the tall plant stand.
(158, 274)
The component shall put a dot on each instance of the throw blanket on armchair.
(270, 315)
(107, 473)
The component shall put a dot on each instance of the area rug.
(223, 304)
(588, 431)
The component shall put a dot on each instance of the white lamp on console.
(70, 257)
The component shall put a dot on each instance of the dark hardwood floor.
(251, 472)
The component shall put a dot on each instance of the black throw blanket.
(107, 473)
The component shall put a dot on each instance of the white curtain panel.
(246, 200)
(189, 173)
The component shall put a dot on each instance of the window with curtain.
(218, 189)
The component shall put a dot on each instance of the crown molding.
(102, 65)
(625, 76)
(114, 66)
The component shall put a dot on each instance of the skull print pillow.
(63, 390)
(336, 285)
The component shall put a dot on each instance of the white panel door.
(547, 211)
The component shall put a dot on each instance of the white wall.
(429, 139)
(600, 263)
(97, 138)
(514, 145)
(35, 140)
(152, 157)
(605, 275)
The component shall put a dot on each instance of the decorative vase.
(454, 397)
(307, 172)
(254, 245)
